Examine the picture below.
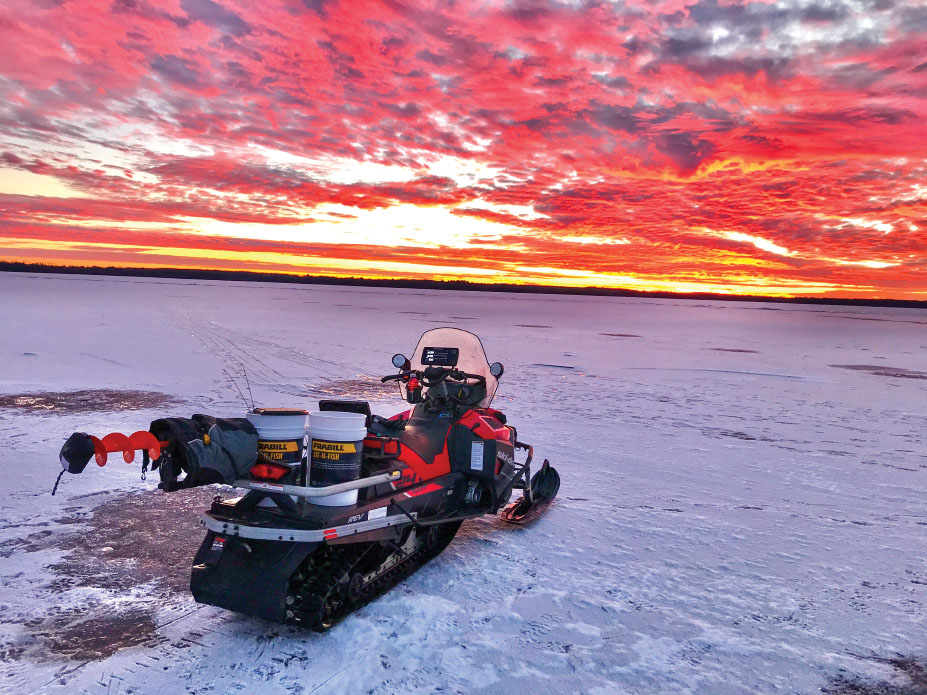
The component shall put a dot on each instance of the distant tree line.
(463, 285)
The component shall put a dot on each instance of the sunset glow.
(775, 148)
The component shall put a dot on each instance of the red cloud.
(735, 144)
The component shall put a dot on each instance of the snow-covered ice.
(737, 514)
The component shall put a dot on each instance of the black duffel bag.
(208, 449)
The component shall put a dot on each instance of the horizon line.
(282, 277)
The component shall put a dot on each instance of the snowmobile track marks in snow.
(262, 358)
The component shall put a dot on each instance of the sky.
(774, 148)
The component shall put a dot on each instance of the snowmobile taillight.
(269, 471)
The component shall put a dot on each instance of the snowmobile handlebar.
(432, 376)
(436, 375)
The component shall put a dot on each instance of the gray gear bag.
(209, 450)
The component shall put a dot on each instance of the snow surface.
(729, 522)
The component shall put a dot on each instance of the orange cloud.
(745, 147)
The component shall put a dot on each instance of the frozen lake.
(743, 508)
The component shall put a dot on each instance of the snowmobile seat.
(425, 437)
(361, 407)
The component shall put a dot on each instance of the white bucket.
(281, 433)
(335, 451)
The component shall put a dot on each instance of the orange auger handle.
(116, 441)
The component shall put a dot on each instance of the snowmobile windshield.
(453, 347)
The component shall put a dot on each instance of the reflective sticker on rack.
(476, 456)
(377, 513)
(266, 486)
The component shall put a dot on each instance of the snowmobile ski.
(543, 488)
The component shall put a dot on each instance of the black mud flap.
(544, 487)
(246, 576)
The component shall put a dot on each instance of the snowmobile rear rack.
(276, 533)
(268, 533)
(300, 491)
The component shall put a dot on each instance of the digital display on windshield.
(440, 356)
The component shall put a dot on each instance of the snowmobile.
(280, 553)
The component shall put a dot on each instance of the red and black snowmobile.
(278, 554)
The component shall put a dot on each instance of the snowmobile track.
(330, 596)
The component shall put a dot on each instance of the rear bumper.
(250, 577)
(247, 568)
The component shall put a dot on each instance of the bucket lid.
(279, 411)
(337, 420)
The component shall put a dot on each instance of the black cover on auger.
(226, 452)
(76, 452)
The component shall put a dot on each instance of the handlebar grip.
(479, 377)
